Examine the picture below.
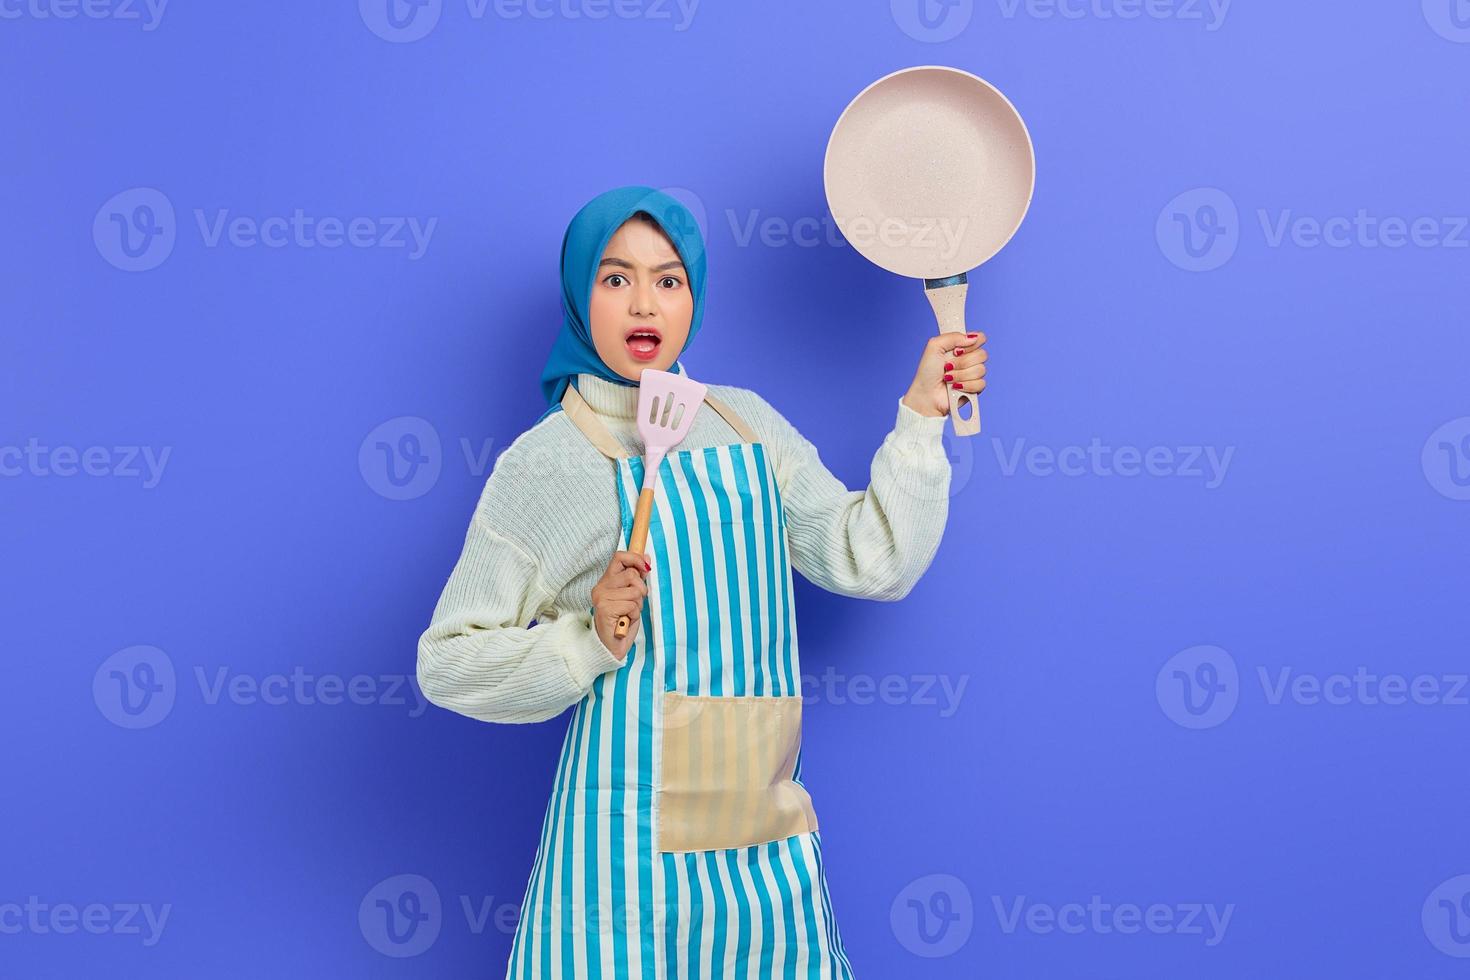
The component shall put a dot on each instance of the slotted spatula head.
(667, 403)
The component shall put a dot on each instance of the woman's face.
(641, 303)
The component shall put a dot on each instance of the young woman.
(679, 840)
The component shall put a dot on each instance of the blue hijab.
(581, 253)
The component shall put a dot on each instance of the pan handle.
(947, 296)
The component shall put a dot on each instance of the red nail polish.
(647, 567)
(949, 367)
(949, 377)
(957, 385)
(973, 335)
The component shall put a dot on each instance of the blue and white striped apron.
(602, 900)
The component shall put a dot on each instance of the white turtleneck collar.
(608, 397)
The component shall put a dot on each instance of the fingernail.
(949, 377)
(957, 385)
(948, 367)
(973, 335)
(647, 567)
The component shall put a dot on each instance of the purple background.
(1336, 538)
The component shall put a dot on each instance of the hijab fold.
(586, 237)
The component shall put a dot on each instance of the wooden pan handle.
(636, 543)
(947, 296)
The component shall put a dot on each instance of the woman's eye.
(671, 282)
(609, 279)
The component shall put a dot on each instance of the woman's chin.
(632, 368)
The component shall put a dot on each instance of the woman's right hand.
(620, 591)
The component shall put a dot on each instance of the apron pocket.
(726, 772)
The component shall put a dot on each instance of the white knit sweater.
(547, 524)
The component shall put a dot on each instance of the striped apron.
(620, 887)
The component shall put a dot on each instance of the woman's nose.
(643, 300)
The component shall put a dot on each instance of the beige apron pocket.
(726, 772)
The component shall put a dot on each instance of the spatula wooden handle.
(636, 543)
(947, 296)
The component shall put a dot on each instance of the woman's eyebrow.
(675, 264)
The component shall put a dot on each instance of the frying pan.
(929, 172)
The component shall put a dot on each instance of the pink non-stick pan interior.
(929, 171)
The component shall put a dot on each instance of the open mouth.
(643, 344)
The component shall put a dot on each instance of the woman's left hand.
(950, 360)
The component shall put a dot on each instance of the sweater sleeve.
(479, 658)
(874, 543)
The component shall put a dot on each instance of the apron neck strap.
(603, 441)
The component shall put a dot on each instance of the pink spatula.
(667, 403)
